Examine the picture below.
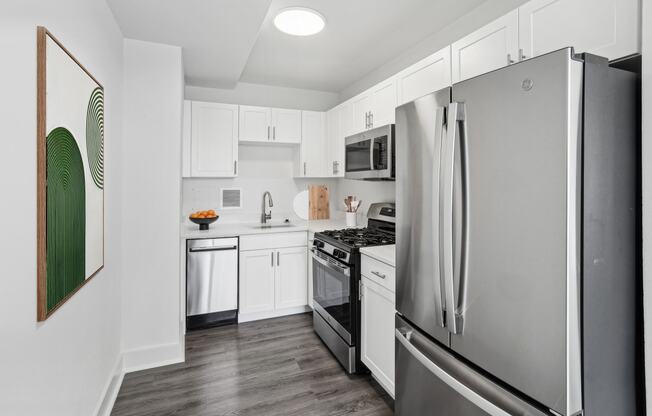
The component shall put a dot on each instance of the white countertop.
(217, 229)
(386, 254)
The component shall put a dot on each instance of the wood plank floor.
(272, 367)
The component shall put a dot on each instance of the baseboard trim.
(256, 316)
(155, 356)
(111, 390)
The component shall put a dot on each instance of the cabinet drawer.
(379, 272)
(275, 240)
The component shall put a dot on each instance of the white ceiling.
(227, 41)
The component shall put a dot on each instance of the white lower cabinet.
(377, 343)
(273, 280)
(290, 277)
(311, 237)
(378, 304)
(256, 281)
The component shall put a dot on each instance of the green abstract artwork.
(70, 175)
(66, 216)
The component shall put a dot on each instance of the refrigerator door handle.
(440, 301)
(448, 214)
(404, 338)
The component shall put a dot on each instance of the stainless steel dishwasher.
(211, 282)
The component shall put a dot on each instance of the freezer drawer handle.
(460, 388)
(203, 249)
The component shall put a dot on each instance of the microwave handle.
(371, 154)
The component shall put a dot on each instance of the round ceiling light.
(299, 21)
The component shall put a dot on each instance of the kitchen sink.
(276, 225)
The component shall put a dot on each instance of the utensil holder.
(351, 219)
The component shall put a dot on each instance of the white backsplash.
(367, 191)
(271, 168)
(262, 168)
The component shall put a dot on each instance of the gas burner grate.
(360, 237)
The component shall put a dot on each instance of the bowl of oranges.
(204, 218)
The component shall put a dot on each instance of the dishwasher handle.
(203, 249)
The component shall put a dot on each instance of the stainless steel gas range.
(336, 282)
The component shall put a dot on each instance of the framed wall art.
(70, 158)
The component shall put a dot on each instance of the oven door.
(332, 293)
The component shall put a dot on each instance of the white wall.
(476, 18)
(153, 101)
(267, 96)
(61, 366)
(261, 168)
(647, 192)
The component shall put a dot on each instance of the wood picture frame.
(94, 123)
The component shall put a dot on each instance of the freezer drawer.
(430, 381)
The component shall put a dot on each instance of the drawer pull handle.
(382, 276)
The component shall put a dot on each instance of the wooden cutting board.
(318, 202)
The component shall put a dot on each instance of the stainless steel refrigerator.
(517, 222)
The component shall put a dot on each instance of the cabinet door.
(428, 75)
(255, 124)
(609, 28)
(334, 143)
(309, 260)
(286, 125)
(214, 140)
(347, 118)
(257, 281)
(313, 144)
(384, 103)
(291, 277)
(377, 340)
(186, 139)
(362, 106)
(490, 47)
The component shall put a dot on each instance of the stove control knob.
(339, 254)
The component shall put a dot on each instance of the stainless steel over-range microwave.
(370, 155)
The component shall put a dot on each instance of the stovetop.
(359, 237)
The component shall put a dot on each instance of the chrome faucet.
(265, 216)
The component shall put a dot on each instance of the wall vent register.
(231, 198)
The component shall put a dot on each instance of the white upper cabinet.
(213, 140)
(286, 126)
(608, 28)
(490, 47)
(334, 143)
(347, 118)
(428, 75)
(374, 107)
(384, 103)
(264, 124)
(362, 105)
(313, 144)
(255, 123)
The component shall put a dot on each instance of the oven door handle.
(345, 270)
